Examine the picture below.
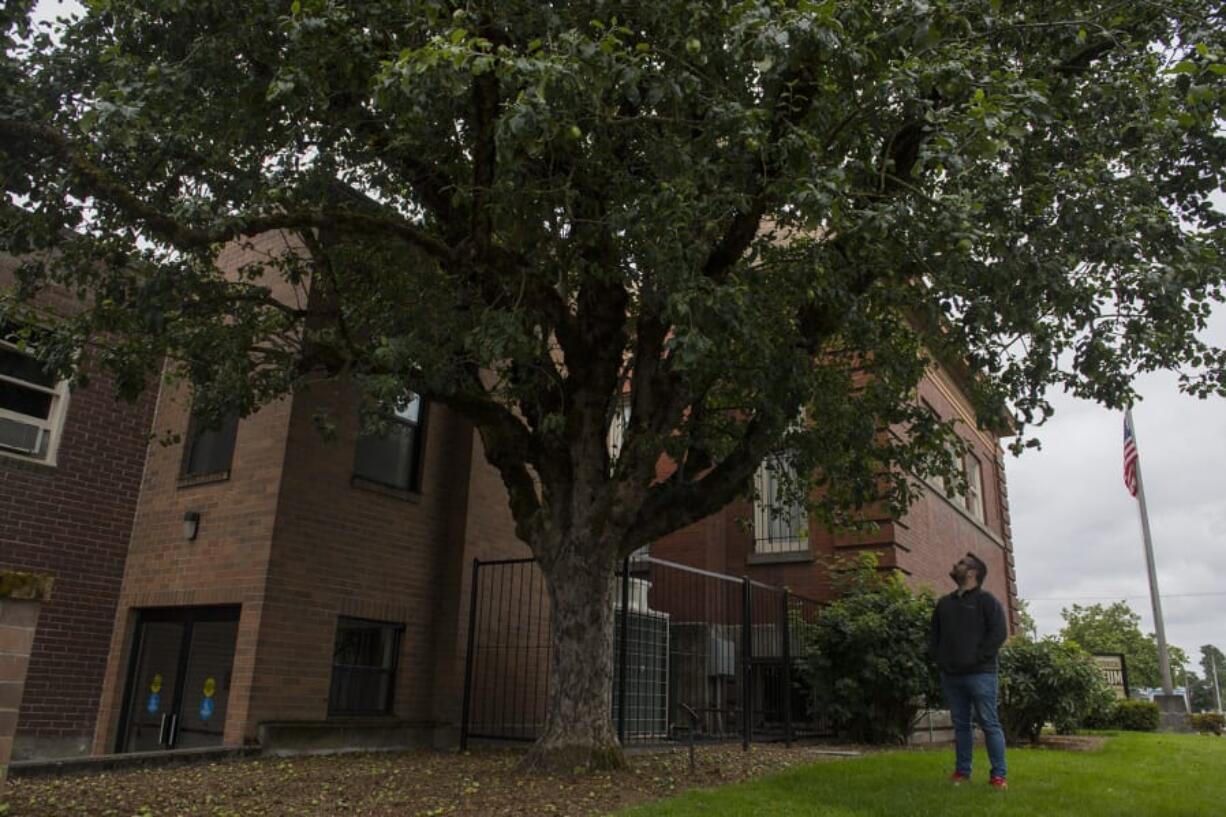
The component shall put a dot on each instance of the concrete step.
(128, 760)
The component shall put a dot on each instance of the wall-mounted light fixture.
(191, 525)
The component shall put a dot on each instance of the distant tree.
(1200, 693)
(1209, 656)
(1101, 628)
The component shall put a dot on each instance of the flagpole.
(1217, 689)
(1164, 659)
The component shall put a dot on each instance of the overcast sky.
(1076, 530)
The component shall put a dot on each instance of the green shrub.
(865, 659)
(1136, 716)
(1101, 714)
(1048, 681)
(1206, 722)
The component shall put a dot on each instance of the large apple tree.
(720, 216)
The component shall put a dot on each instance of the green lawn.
(1133, 775)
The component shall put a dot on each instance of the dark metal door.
(152, 685)
(179, 679)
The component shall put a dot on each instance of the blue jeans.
(974, 695)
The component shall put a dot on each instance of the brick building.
(70, 471)
(318, 600)
(938, 529)
(300, 592)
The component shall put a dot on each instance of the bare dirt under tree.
(481, 782)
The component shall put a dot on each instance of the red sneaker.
(958, 777)
(998, 783)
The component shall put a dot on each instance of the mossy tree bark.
(579, 732)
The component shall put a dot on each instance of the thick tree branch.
(485, 157)
(677, 502)
(510, 448)
(96, 182)
(791, 100)
(435, 197)
(653, 389)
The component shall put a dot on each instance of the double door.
(179, 679)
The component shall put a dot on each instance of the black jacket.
(967, 632)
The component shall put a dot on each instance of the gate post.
(786, 629)
(747, 658)
(468, 658)
(623, 641)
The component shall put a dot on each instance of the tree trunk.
(579, 731)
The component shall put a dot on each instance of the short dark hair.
(981, 569)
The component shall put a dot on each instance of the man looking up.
(968, 628)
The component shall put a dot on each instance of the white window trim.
(53, 426)
(959, 462)
(764, 518)
(974, 487)
(938, 483)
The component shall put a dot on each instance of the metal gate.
(697, 655)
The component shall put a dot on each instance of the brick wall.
(72, 521)
(488, 533)
(924, 544)
(225, 564)
(347, 548)
(937, 531)
(292, 538)
(228, 561)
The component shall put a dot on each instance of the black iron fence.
(698, 655)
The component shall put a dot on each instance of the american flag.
(1130, 456)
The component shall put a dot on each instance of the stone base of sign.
(21, 596)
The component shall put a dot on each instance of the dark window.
(395, 457)
(23, 400)
(363, 667)
(209, 448)
(18, 365)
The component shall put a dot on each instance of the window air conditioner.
(24, 438)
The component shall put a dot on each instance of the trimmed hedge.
(864, 659)
(1208, 722)
(1047, 681)
(1137, 716)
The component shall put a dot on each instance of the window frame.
(764, 515)
(413, 479)
(194, 429)
(53, 426)
(973, 472)
(951, 452)
(397, 630)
